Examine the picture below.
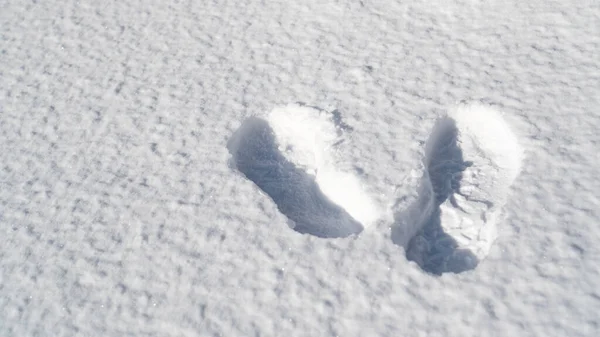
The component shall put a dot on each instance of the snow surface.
(159, 176)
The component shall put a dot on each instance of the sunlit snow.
(308, 168)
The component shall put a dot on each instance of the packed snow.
(313, 168)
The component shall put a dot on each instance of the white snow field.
(309, 168)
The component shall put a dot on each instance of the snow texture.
(440, 177)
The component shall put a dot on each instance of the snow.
(293, 125)
(159, 176)
(291, 157)
(471, 159)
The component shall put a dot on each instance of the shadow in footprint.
(255, 153)
(431, 248)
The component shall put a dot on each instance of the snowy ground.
(439, 178)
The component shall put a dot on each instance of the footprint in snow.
(290, 156)
(471, 159)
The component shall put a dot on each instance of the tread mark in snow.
(471, 159)
(255, 153)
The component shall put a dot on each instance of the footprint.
(471, 159)
(290, 155)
